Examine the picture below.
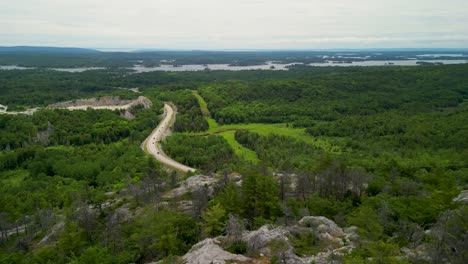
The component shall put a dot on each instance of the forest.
(383, 149)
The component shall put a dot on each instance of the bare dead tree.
(112, 235)
(303, 186)
(86, 218)
(358, 179)
(200, 200)
(411, 232)
(4, 225)
(449, 237)
(234, 228)
(288, 214)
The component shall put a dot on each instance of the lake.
(268, 66)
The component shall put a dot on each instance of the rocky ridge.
(331, 243)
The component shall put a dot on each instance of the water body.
(14, 67)
(268, 66)
(386, 63)
(200, 67)
(82, 69)
(78, 69)
(277, 66)
(442, 55)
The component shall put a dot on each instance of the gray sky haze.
(235, 24)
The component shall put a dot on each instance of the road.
(153, 142)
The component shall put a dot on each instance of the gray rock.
(273, 241)
(462, 197)
(192, 183)
(210, 251)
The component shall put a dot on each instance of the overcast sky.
(235, 24)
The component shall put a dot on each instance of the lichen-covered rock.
(321, 224)
(193, 183)
(462, 197)
(275, 242)
(259, 240)
(278, 242)
(352, 236)
(210, 251)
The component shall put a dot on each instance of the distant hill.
(46, 49)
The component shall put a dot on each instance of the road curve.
(153, 142)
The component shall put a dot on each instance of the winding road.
(153, 142)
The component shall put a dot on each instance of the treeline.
(434, 130)
(211, 153)
(330, 96)
(280, 152)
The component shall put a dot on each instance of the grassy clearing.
(227, 131)
(68, 149)
(203, 104)
(239, 150)
(284, 130)
(266, 129)
(212, 124)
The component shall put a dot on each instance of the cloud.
(234, 24)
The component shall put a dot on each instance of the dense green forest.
(380, 148)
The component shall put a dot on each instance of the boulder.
(193, 183)
(462, 197)
(210, 251)
(259, 240)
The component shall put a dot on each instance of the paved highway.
(153, 142)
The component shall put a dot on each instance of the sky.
(235, 24)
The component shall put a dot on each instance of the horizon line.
(134, 49)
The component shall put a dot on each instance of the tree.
(230, 199)
(95, 255)
(163, 233)
(72, 242)
(213, 219)
(260, 197)
(367, 220)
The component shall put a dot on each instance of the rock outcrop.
(332, 241)
(210, 251)
(193, 183)
(330, 244)
(462, 197)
